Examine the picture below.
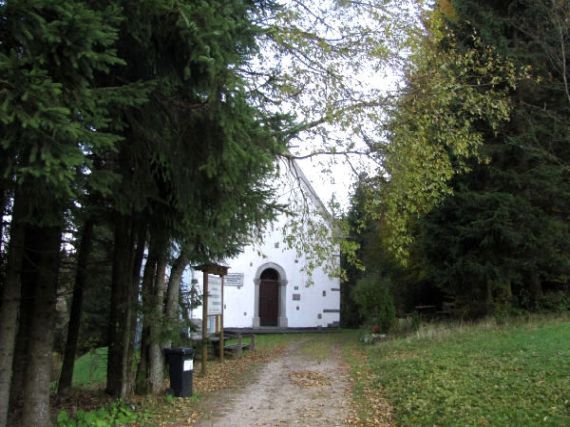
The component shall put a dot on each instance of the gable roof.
(297, 173)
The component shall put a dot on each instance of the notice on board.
(214, 295)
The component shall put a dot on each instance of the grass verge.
(87, 405)
(90, 370)
(511, 375)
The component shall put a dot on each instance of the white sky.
(377, 75)
(340, 177)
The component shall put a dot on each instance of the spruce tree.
(485, 205)
(49, 111)
(193, 160)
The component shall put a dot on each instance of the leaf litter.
(309, 379)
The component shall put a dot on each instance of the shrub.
(557, 302)
(115, 414)
(373, 297)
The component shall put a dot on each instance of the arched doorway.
(269, 298)
(274, 281)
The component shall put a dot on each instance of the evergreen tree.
(49, 113)
(193, 160)
(519, 235)
(357, 226)
(479, 194)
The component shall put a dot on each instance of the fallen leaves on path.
(309, 379)
(219, 376)
(225, 375)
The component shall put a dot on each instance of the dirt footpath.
(293, 390)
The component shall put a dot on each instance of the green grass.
(444, 375)
(91, 368)
(316, 345)
(271, 341)
(502, 376)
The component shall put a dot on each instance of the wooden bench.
(235, 349)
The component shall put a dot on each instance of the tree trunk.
(150, 372)
(38, 372)
(171, 310)
(122, 301)
(142, 385)
(139, 253)
(489, 301)
(173, 289)
(137, 265)
(85, 246)
(535, 288)
(3, 206)
(28, 280)
(9, 309)
(185, 302)
(156, 359)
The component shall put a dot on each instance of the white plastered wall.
(304, 301)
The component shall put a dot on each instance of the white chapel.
(270, 284)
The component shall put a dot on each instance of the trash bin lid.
(179, 350)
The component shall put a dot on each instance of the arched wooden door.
(269, 298)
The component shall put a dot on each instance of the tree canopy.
(143, 135)
(477, 187)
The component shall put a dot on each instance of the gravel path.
(292, 390)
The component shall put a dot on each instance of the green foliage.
(309, 228)
(51, 113)
(368, 233)
(435, 130)
(96, 305)
(332, 45)
(509, 204)
(360, 233)
(90, 369)
(513, 375)
(197, 154)
(373, 296)
(477, 198)
(557, 302)
(115, 414)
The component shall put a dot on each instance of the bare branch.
(563, 52)
(345, 153)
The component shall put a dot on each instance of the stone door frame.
(282, 306)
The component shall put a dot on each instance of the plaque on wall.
(234, 279)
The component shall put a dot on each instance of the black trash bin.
(180, 367)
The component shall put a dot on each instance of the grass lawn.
(516, 375)
(512, 375)
(90, 370)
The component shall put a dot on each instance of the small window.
(324, 293)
